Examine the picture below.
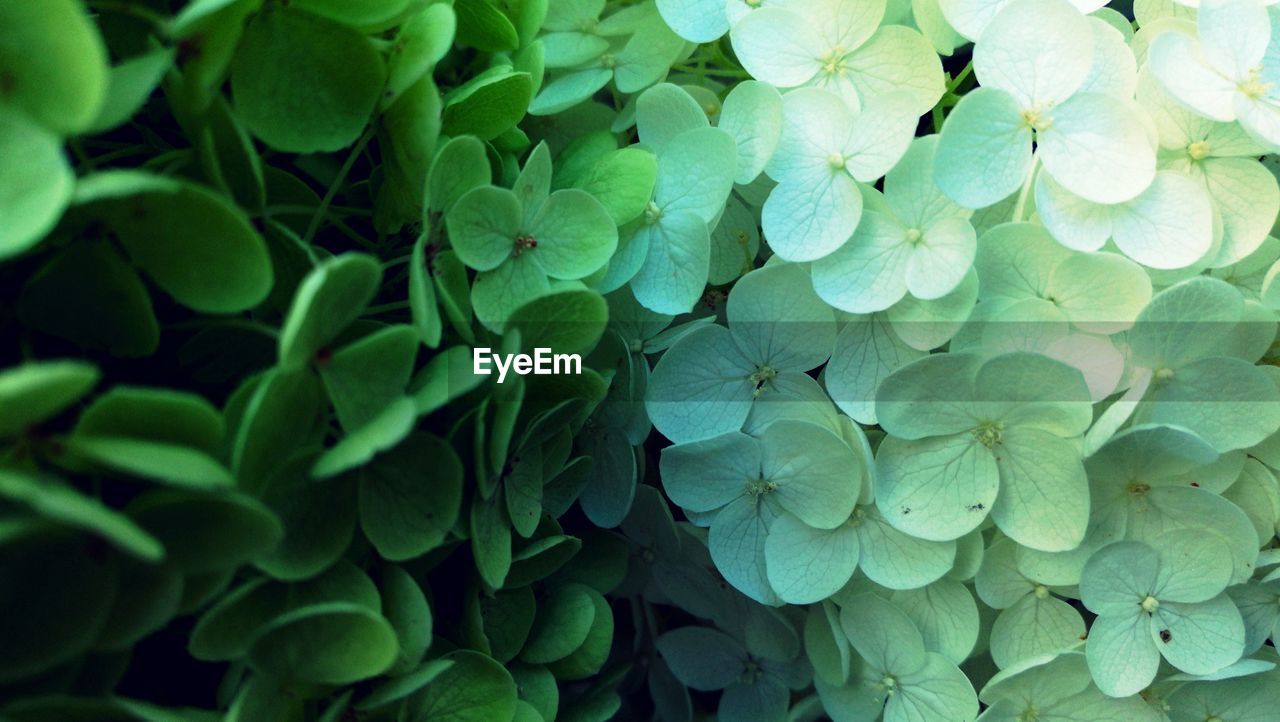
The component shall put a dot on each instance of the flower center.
(753, 3)
(1163, 376)
(760, 486)
(1150, 604)
(1037, 119)
(1253, 87)
(759, 378)
(988, 433)
(1137, 488)
(889, 684)
(1198, 150)
(652, 213)
(608, 61)
(913, 236)
(836, 161)
(1041, 591)
(858, 515)
(833, 63)
(1030, 714)
(522, 244)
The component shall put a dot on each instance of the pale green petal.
(810, 468)
(664, 112)
(883, 635)
(695, 174)
(910, 191)
(1039, 52)
(941, 258)
(1016, 260)
(777, 46)
(1248, 197)
(737, 542)
(752, 114)
(807, 220)
(1203, 637)
(938, 691)
(880, 135)
(703, 476)
(868, 273)
(777, 319)
(497, 293)
(1033, 627)
(1185, 322)
(698, 21)
(568, 90)
(866, 351)
(946, 615)
(807, 565)
(984, 151)
(1122, 657)
(1170, 225)
(897, 59)
(674, 273)
(816, 130)
(735, 243)
(931, 396)
(647, 56)
(926, 325)
(1193, 568)
(1176, 60)
(699, 387)
(898, 561)
(938, 488)
(1100, 292)
(1097, 148)
(1227, 401)
(1044, 495)
(1034, 391)
(483, 226)
(574, 233)
(1118, 578)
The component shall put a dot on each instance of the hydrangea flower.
(825, 151)
(894, 675)
(522, 239)
(920, 242)
(795, 470)
(1034, 62)
(1032, 621)
(841, 46)
(708, 381)
(756, 686)
(968, 438)
(1160, 600)
(1221, 156)
(1227, 72)
(1057, 687)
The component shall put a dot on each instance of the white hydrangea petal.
(778, 320)
(1176, 126)
(984, 151)
(1074, 222)
(934, 26)
(664, 112)
(816, 127)
(898, 59)
(778, 46)
(1095, 357)
(941, 259)
(879, 136)
(1114, 70)
(910, 191)
(752, 114)
(926, 325)
(1016, 260)
(842, 23)
(1100, 292)
(1098, 149)
(1247, 196)
(1234, 35)
(804, 221)
(698, 21)
(674, 273)
(867, 350)
(1177, 61)
(970, 17)
(1170, 225)
(1261, 119)
(869, 272)
(1039, 51)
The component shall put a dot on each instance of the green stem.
(386, 308)
(963, 76)
(157, 20)
(330, 194)
(1021, 206)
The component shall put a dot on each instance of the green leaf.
(138, 412)
(481, 25)
(201, 532)
(303, 83)
(88, 295)
(490, 540)
(319, 520)
(129, 85)
(36, 179)
(147, 599)
(34, 392)
(404, 510)
(397, 688)
(574, 233)
(406, 608)
(488, 104)
(54, 63)
(459, 166)
(474, 689)
(701, 658)
(423, 41)
(541, 558)
(562, 624)
(332, 643)
(59, 502)
(365, 377)
(280, 415)
(333, 295)
(384, 432)
(507, 617)
(221, 264)
(57, 619)
(588, 658)
(373, 12)
(568, 321)
(177, 465)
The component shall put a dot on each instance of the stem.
(329, 195)
(1020, 207)
(158, 21)
(386, 308)
(963, 76)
